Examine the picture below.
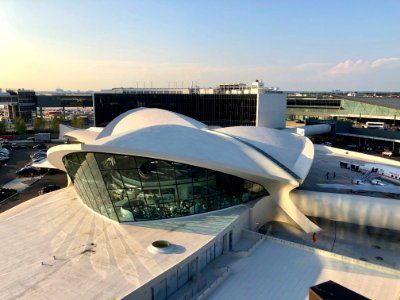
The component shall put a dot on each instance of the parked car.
(29, 171)
(49, 188)
(39, 146)
(38, 153)
(37, 159)
(5, 150)
(387, 153)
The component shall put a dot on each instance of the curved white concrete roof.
(84, 136)
(243, 151)
(144, 117)
(275, 159)
(294, 152)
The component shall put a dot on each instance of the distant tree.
(77, 122)
(3, 127)
(39, 124)
(19, 125)
(55, 122)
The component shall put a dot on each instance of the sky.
(295, 45)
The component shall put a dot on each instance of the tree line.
(39, 124)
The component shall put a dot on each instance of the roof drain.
(161, 247)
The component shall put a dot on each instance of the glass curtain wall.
(131, 188)
(214, 109)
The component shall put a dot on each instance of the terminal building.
(354, 107)
(19, 103)
(227, 105)
(150, 164)
(366, 122)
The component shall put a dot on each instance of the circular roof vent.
(161, 246)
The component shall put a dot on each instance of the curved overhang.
(291, 152)
(184, 145)
(83, 135)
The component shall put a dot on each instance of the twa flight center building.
(152, 164)
(154, 198)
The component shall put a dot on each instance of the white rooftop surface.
(192, 145)
(166, 135)
(283, 146)
(95, 258)
(139, 118)
(277, 271)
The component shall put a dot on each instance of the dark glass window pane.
(116, 188)
(185, 207)
(213, 203)
(118, 197)
(169, 193)
(71, 167)
(166, 172)
(156, 211)
(224, 201)
(131, 178)
(125, 162)
(105, 161)
(199, 205)
(147, 169)
(135, 194)
(80, 157)
(185, 191)
(153, 196)
(199, 174)
(124, 214)
(76, 158)
(139, 210)
(112, 179)
(183, 173)
(172, 209)
(200, 189)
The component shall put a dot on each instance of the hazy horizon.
(295, 45)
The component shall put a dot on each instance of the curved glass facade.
(131, 188)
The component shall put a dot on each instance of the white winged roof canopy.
(263, 155)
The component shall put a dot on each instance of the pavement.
(20, 184)
(27, 187)
(317, 179)
(393, 189)
(375, 245)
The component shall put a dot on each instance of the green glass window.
(128, 188)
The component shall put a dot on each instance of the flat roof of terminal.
(94, 256)
(386, 102)
(277, 270)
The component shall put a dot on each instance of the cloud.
(391, 61)
(42, 72)
(357, 66)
